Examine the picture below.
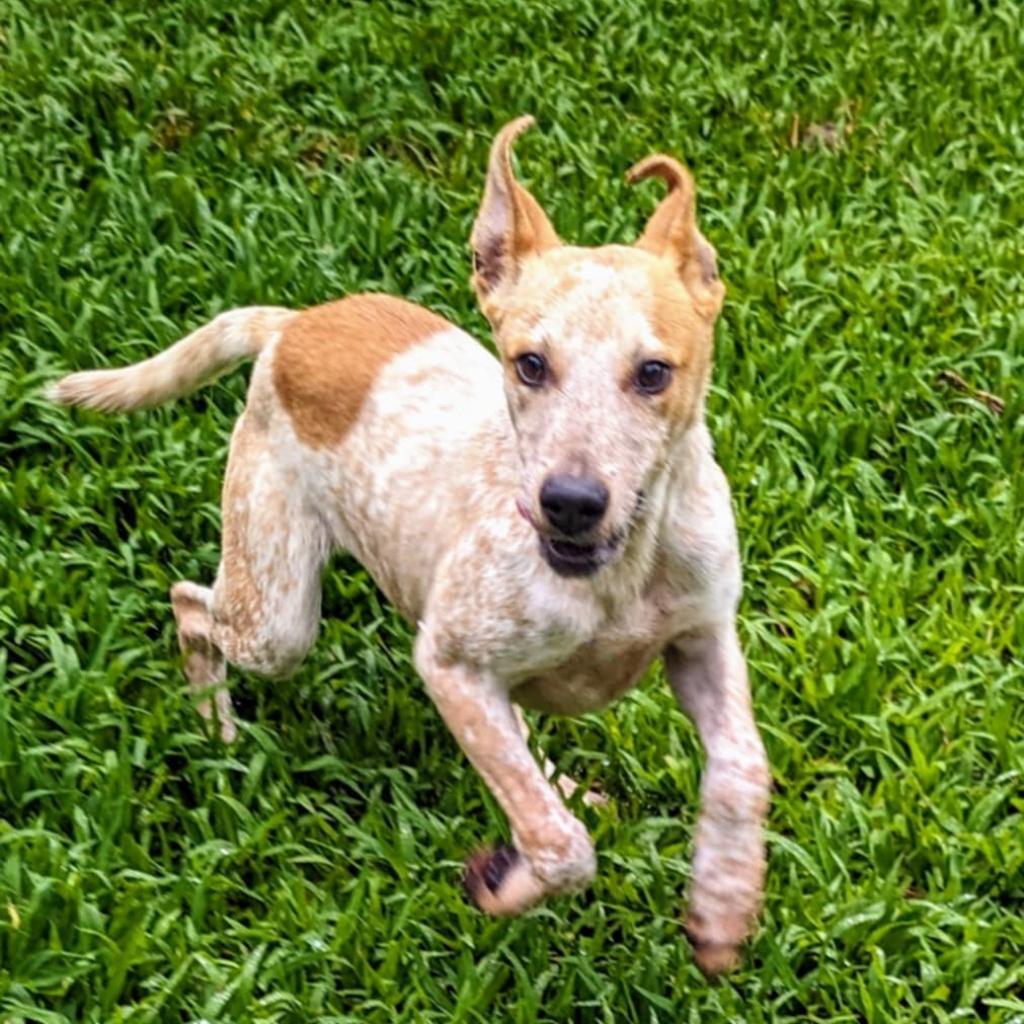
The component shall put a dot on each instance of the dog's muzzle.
(571, 557)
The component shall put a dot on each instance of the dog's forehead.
(610, 275)
(613, 293)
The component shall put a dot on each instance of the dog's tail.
(195, 360)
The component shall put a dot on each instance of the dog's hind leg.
(266, 599)
(263, 610)
(205, 668)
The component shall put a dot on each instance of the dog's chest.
(695, 581)
(612, 660)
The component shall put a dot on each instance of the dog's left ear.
(672, 232)
(511, 224)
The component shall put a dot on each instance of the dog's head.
(606, 351)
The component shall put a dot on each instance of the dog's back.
(381, 412)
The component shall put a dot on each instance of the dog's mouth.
(568, 558)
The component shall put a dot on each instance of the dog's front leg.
(709, 677)
(552, 852)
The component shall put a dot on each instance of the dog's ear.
(511, 224)
(672, 232)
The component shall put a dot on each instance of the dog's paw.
(714, 953)
(715, 959)
(228, 728)
(501, 882)
(488, 867)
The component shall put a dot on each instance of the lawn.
(861, 173)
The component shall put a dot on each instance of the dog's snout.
(573, 504)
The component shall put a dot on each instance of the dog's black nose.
(573, 504)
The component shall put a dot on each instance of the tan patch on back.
(329, 356)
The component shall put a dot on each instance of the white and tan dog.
(551, 522)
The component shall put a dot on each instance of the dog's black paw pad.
(503, 859)
(487, 869)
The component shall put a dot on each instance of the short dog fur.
(552, 521)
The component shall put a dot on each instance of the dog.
(552, 521)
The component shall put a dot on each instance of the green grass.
(160, 163)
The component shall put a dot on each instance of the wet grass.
(861, 169)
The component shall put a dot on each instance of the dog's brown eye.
(653, 377)
(532, 369)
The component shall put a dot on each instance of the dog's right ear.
(511, 225)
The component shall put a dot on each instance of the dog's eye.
(652, 377)
(532, 369)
